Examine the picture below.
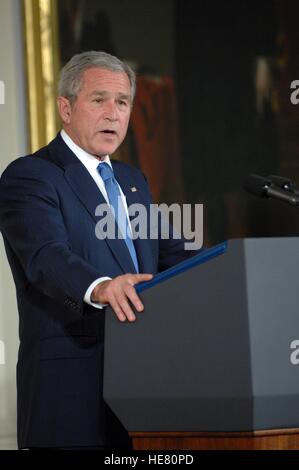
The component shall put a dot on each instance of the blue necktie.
(116, 202)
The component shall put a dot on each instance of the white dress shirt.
(91, 163)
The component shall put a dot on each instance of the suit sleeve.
(32, 226)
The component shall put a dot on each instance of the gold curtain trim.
(42, 63)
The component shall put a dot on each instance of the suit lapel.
(89, 194)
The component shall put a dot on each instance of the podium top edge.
(203, 256)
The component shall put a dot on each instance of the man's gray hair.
(70, 82)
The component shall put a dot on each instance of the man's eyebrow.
(123, 96)
(99, 93)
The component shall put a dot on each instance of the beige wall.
(13, 144)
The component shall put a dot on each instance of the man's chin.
(103, 151)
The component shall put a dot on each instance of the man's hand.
(118, 292)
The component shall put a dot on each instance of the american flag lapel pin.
(133, 189)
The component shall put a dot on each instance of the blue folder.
(205, 255)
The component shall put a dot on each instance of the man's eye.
(122, 103)
(98, 100)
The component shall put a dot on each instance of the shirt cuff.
(87, 295)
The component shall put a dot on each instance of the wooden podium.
(210, 362)
(276, 439)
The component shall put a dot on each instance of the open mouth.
(108, 131)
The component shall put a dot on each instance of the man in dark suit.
(65, 273)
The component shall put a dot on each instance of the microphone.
(284, 183)
(264, 187)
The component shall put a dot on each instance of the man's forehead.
(97, 73)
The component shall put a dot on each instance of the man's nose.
(110, 111)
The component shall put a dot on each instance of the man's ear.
(64, 109)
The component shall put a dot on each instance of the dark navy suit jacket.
(47, 219)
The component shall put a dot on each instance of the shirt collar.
(88, 160)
